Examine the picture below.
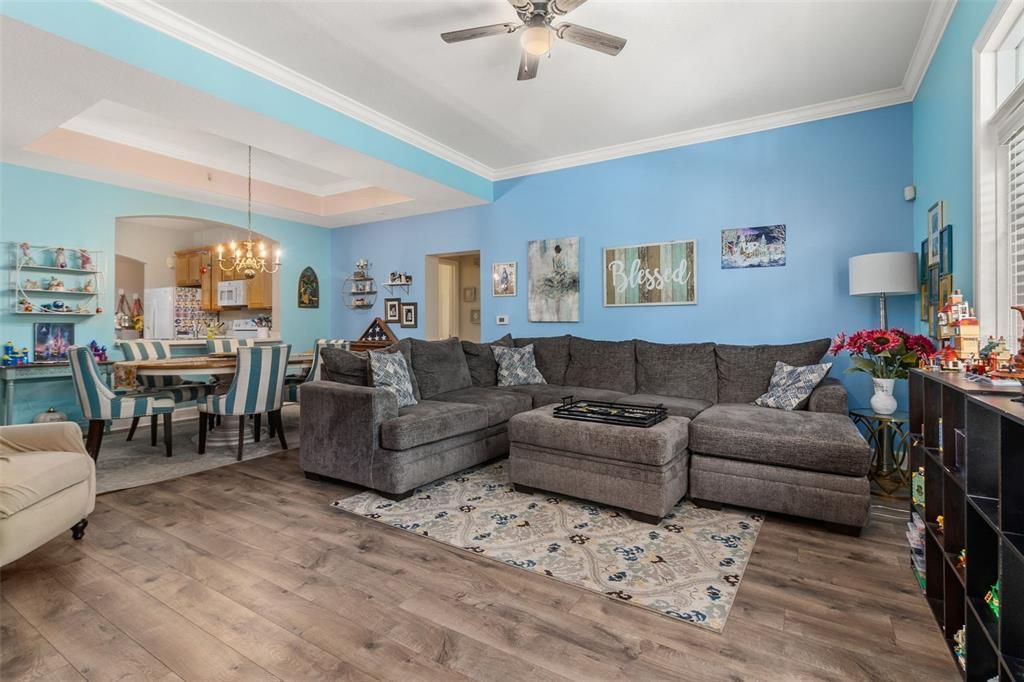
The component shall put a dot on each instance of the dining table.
(126, 372)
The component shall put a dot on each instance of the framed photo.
(503, 279)
(924, 301)
(933, 330)
(474, 316)
(922, 264)
(469, 295)
(933, 284)
(52, 340)
(651, 274)
(946, 250)
(945, 288)
(936, 219)
(392, 310)
(410, 315)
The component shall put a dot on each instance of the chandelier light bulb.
(537, 40)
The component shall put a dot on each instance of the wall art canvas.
(754, 247)
(923, 262)
(553, 278)
(503, 278)
(309, 289)
(946, 250)
(651, 274)
(936, 219)
(52, 340)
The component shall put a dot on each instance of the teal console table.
(34, 373)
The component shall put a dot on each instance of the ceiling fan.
(539, 32)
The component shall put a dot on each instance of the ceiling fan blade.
(523, 6)
(589, 38)
(479, 32)
(528, 64)
(563, 7)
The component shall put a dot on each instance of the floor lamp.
(893, 273)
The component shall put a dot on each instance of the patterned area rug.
(688, 567)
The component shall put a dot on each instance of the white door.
(447, 298)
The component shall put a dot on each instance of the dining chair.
(293, 383)
(256, 389)
(99, 404)
(178, 389)
(228, 345)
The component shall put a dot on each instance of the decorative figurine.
(960, 648)
(992, 599)
(25, 305)
(362, 266)
(26, 254)
(86, 260)
(31, 285)
(60, 258)
(961, 561)
(88, 287)
(55, 284)
(941, 521)
(99, 310)
(99, 352)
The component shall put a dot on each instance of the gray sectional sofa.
(810, 462)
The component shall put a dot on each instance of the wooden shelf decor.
(968, 439)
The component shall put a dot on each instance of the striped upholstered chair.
(171, 386)
(229, 345)
(256, 389)
(100, 404)
(292, 384)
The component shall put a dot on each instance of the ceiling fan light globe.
(536, 40)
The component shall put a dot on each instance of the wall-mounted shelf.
(51, 268)
(360, 293)
(53, 293)
(401, 286)
(43, 313)
(26, 259)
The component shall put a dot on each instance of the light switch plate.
(501, 319)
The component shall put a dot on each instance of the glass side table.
(889, 437)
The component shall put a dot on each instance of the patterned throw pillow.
(390, 372)
(791, 386)
(517, 366)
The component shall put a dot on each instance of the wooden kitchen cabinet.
(210, 280)
(260, 292)
(187, 268)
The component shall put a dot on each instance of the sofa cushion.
(500, 405)
(429, 421)
(828, 443)
(390, 372)
(439, 366)
(610, 365)
(483, 368)
(683, 370)
(677, 407)
(30, 477)
(345, 366)
(546, 394)
(744, 372)
(552, 355)
(404, 346)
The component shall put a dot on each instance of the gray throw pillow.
(483, 368)
(791, 387)
(392, 374)
(404, 346)
(517, 366)
(344, 366)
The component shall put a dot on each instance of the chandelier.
(249, 257)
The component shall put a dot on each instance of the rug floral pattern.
(687, 567)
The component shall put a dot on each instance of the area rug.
(688, 567)
(123, 464)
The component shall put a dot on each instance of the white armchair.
(47, 485)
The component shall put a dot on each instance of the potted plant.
(885, 354)
(263, 323)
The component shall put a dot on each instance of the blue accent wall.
(943, 132)
(53, 209)
(837, 185)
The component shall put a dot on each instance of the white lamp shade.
(892, 272)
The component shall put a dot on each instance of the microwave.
(232, 293)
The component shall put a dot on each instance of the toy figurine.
(941, 521)
(86, 260)
(961, 561)
(26, 305)
(55, 284)
(960, 648)
(26, 254)
(88, 287)
(31, 285)
(24, 355)
(992, 599)
(60, 258)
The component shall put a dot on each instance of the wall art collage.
(936, 267)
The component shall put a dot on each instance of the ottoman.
(641, 470)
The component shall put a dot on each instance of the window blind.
(1016, 225)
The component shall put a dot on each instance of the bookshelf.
(969, 440)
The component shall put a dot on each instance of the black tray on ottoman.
(621, 414)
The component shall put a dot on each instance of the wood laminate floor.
(245, 573)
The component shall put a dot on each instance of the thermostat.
(501, 319)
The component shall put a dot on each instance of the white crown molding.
(939, 13)
(814, 112)
(158, 17)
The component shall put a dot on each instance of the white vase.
(883, 402)
(262, 333)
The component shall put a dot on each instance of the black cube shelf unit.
(979, 492)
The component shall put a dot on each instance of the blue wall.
(943, 131)
(837, 185)
(53, 209)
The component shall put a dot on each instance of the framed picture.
(410, 315)
(309, 289)
(945, 288)
(651, 274)
(933, 284)
(936, 219)
(474, 316)
(946, 250)
(923, 262)
(392, 310)
(503, 279)
(933, 330)
(52, 340)
(469, 295)
(553, 280)
(924, 301)
(754, 247)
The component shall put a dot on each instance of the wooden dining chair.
(99, 404)
(229, 345)
(175, 387)
(257, 388)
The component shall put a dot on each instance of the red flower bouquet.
(883, 353)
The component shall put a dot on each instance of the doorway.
(453, 296)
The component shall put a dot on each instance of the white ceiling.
(687, 65)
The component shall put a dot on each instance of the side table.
(889, 437)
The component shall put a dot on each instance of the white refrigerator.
(159, 313)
